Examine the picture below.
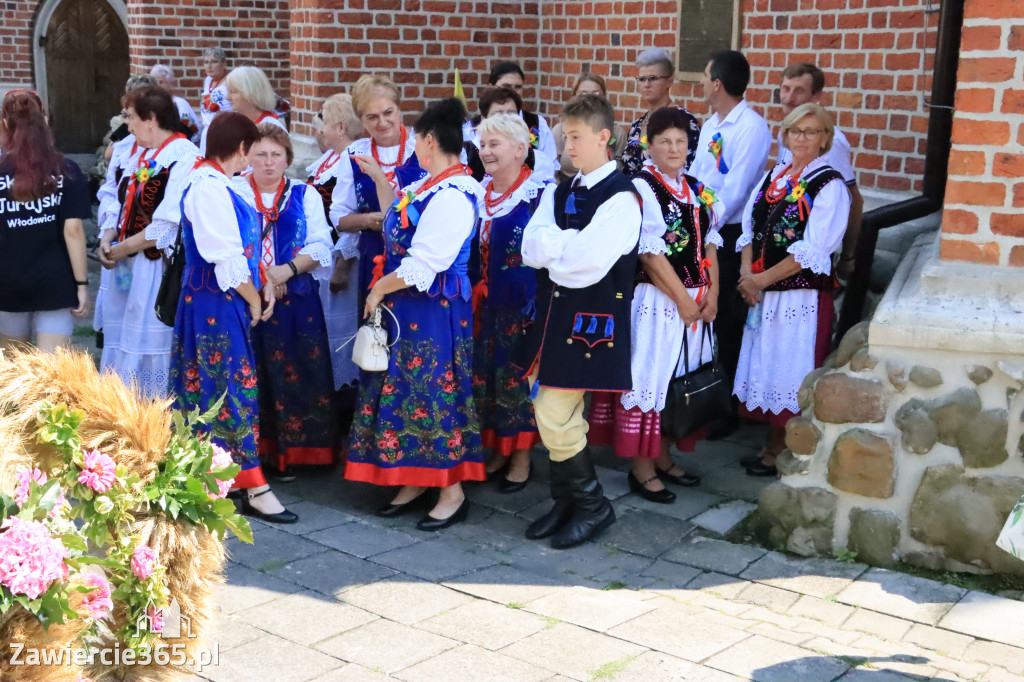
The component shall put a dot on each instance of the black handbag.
(166, 305)
(698, 398)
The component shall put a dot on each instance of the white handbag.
(1011, 538)
(371, 349)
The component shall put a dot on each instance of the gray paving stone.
(362, 539)
(902, 657)
(593, 609)
(385, 646)
(272, 549)
(765, 660)
(492, 529)
(404, 600)
(246, 587)
(645, 533)
(987, 616)
(725, 586)
(469, 662)
(674, 630)
(996, 674)
(354, 673)
(306, 617)
(314, 517)
(830, 613)
(878, 624)
(794, 637)
(593, 561)
(816, 577)
(613, 482)
(732, 483)
(272, 658)
(439, 559)
(487, 495)
(724, 517)
(1009, 657)
(652, 666)
(770, 597)
(484, 624)
(572, 651)
(874, 675)
(333, 572)
(228, 631)
(714, 555)
(903, 596)
(666, 577)
(506, 584)
(689, 503)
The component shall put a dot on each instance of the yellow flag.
(458, 88)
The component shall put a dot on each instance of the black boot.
(592, 512)
(559, 515)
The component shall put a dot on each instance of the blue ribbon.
(592, 327)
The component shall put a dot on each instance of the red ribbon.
(378, 270)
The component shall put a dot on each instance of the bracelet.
(295, 270)
(82, 284)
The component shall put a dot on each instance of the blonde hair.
(339, 109)
(810, 109)
(368, 87)
(254, 86)
(509, 126)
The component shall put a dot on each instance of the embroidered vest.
(142, 209)
(289, 233)
(682, 236)
(509, 282)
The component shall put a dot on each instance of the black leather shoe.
(428, 522)
(507, 487)
(663, 496)
(723, 428)
(686, 480)
(285, 476)
(762, 469)
(390, 509)
(750, 460)
(280, 517)
(592, 512)
(559, 515)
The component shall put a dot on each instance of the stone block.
(982, 440)
(572, 651)
(435, 560)
(987, 616)
(841, 399)
(878, 624)
(804, 541)
(724, 517)
(802, 436)
(816, 577)
(484, 624)
(964, 514)
(862, 462)
(951, 412)
(675, 631)
(863, 361)
(765, 660)
(854, 340)
(789, 464)
(593, 609)
(978, 374)
(897, 373)
(919, 432)
(405, 600)
(805, 396)
(382, 645)
(830, 613)
(782, 509)
(951, 644)
(714, 555)
(273, 658)
(476, 662)
(306, 617)
(925, 377)
(904, 596)
(873, 536)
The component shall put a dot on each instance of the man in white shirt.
(801, 83)
(731, 156)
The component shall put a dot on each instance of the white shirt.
(125, 151)
(653, 226)
(266, 119)
(826, 224)
(545, 154)
(209, 208)
(580, 258)
(838, 156)
(343, 199)
(219, 96)
(185, 110)
(163, 228)
(746, 142)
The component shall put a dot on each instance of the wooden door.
(86, 68)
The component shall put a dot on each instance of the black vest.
(685, 238)
(582, 336)
(778, 225)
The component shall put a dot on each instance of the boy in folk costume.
(583, 240)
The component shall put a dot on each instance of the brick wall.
(176, 32)
(418, 43)
(873, 52)
(16, 43)
(983, 220)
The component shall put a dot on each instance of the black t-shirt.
(35, 269)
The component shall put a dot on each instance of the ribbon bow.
(403, 206)
(378, 270)
(706, 195)
(715, 147)
(642, 143)
(534, 137)
(798, 195)
(146, 170)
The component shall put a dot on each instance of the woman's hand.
(369, 165)
(116, 253)
(255, 311)
(339, 278)
(269, 298)
(709, 305)
(374, 221)
(750, 287)
(83, 301)
(688, 310)
(372, 301)
(279, 274)
(103, 252)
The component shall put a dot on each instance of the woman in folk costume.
(212, 357)
(676, 296)
(355, 207)
(136, 344)
(297, 421)
(337, 125)
(250, 94)
(416, 425)
(793, 222)
(215, 91)
(503, 299)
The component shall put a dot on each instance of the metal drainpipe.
(936, 164)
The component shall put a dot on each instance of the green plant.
(846, 556)
(615, 585)
(610, 669)
(514, 605)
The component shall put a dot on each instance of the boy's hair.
(595, 110)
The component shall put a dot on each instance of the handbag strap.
(376, 322)
(684, 352)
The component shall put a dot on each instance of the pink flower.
(98, 471)
(24, 478)
(221, 459)
(156, 619)
(143, 561)
(30, 559)
(96, 604)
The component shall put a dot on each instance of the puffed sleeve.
(110, 207)
(652, 224)
(163, 229)
(445, 224)
(825, 228)
(747, 235)
(343, 198)
(318, 244)
(347, 245)
(209, 207)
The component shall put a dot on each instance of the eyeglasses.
(643, 80)
(804, 133)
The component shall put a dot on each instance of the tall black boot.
(559, 515)
(592, 512)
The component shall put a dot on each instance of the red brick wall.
(418, 43)
(872, 51)
(983, 220)
(16, 43)
(176, 32)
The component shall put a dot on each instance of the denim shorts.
(24, 325)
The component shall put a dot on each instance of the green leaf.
(240, 527)
(223, 507)
(74, 541)
(49, 494)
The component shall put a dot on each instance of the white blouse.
(343, 199)
(825, 226)
(653, 226)
(163, 229)
(527, 191)
(444, 225)
(580, 258)
(209, 208)
(125, 155)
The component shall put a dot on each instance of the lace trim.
(108, 221)
(415, 273)
(322, 255)
(328, 173)
(176, 151)
(810, 257)
(163, 232)
(232, 272)
(743, 240)
(348, 245)
(769, 401)
(650, 244)
(647, 400)
(463, 183)
(528, 191)
(714, 238)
